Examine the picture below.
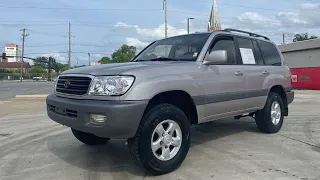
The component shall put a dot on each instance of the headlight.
(110, 85)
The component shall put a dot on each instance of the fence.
(27, 77)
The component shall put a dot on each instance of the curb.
(314, 92)
(32, 96)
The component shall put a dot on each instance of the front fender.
(149, 88)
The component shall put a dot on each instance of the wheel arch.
(281, 91)
(178, 98)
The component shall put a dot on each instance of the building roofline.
(300, 45)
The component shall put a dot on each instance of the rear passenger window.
(247, 51)
(270, 54)
(257, 53)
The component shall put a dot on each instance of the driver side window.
(228, 45)
(160, 51)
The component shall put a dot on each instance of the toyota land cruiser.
(172, 84)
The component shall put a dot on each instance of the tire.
(88, 138)
(264, 120)
(140, 146)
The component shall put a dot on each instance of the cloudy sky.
(102, 26)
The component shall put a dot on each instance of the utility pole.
(22, 54)
(89, 59)
(77, 61)
(49, 68)
(283, 39)
(69, 51)
(165, 18)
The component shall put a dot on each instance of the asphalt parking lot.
(32, 147)
(11, 89)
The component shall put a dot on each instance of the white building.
(12, 52)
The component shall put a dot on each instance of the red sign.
(305, 78)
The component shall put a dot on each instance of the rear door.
(257, 73)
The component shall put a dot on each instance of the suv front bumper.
(122, 117)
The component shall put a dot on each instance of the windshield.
(180, 48)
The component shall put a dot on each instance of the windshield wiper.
(138, 60)
(163, 59)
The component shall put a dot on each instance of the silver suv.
(172, 84)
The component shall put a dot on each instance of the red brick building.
(15, 66)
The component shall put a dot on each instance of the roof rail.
(246, 32)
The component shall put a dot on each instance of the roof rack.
(246, 32)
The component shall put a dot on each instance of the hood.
(115, 68)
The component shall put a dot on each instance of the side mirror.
(216, 57)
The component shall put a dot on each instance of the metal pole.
(89, 59)
(188, 25)
(49, 68)
(69, 51)
(165, 18)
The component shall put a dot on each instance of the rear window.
(270, 54)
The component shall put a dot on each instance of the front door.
(224, 83)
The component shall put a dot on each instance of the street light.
(189, 24)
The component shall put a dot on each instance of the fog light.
(98, 118)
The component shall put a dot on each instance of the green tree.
(303, 37)
(44, 62)
(41, 61)
(105, 60)
(64, 68)
(37, 70)
(6, 71)
(124, 54)
(58, 67)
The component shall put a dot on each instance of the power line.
(81, 9)
(181, 12)
(143, 10)
(251, 7)
(65, 52)
(23, 24)
(53, 45)
(48, 34)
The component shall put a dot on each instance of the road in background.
(9, 90)
(33, 147)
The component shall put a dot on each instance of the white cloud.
(306, 16)
(59, 57)
(97, 55)
(136, 42)
(149, 34)
(291, 17)
(258, 20)
(310, 6)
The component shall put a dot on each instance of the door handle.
(238, 73)
(266, 72)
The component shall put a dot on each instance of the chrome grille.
(73, 85)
